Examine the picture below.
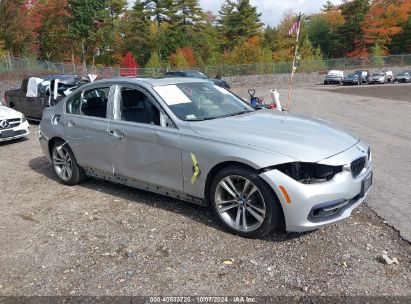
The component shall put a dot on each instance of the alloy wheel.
(240, 203)
(63, 164)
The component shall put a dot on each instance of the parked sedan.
(13, 124)
(364, 75)
(193, 140)
(196, 74)
(351, 79)
(404, 77)
(378, 77)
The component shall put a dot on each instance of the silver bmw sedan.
(193, 140)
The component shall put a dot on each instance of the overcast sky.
(273, 10)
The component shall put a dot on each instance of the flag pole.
(293, 68)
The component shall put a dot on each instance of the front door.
(143, 150)
(86, 125)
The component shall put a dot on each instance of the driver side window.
(135, 106)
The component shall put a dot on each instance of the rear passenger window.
(94, 102)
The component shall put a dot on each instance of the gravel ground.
(104, 239)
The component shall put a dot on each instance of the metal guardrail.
(31, 67)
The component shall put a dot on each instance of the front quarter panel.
(210, 152)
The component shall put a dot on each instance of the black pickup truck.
(32, 107)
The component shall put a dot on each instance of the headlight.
(308, 173)
(23, 118)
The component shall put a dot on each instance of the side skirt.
(143, 186)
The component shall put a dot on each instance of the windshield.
(352, 76)
(378, 74)
(404, 74)
(201, 101)
(195, 74)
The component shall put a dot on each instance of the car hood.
(301, 138)
(7, 113)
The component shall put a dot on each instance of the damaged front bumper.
(311, 206)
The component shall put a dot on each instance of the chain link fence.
(28, 66)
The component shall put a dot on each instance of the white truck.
(334, 76)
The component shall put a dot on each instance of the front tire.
(243, 202)
(65, 165)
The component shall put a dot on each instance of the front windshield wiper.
(220, 116)
(238, 113)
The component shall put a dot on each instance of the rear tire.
(243, 203)
(65, 164)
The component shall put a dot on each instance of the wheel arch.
(51, 143)
(220, 166)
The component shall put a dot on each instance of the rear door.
(86, 125)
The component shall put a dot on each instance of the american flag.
(295, 28)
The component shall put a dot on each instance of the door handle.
(117, 134)
(70, 123)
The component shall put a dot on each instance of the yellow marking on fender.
(285, 194)
(196, 169)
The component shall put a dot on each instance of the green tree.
(189, 14)
(52, 37)
(85, 18)
(401, 43)
(178, 60)
(349, 34)
(270, 38)
(328, 6)
(207, 44)
(115, 9)
(239, 20)
(161, 11)
(154, 61)
(16, 36)
(135, 27)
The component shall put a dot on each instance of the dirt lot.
(388, 92)
(104, 239)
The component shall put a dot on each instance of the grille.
(12, 123)
(357, 166)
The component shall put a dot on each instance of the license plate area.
(366, 184)
(8, 133)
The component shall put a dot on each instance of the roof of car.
(154, 82)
